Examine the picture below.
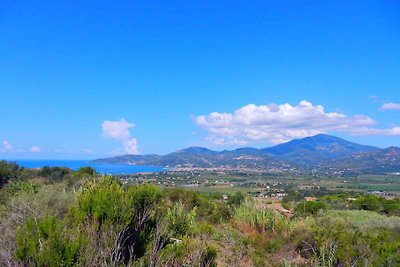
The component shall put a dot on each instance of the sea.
(100, 168)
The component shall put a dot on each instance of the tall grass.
(261, 219)
(363, 220)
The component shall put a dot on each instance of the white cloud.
(88, 151)
(64, 151)
(394, 131)
(120, 130)
(35, 149)
(7, 146)
(390, 106)
(280, 123)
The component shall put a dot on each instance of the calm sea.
(100, 168)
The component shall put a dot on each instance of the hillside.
(200, 157)
(307, 152)
(311, 150)
(378, 161)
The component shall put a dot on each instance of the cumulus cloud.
(7, 146)
(35, 149)
(280, 123)
(390, 106)
(120, 130)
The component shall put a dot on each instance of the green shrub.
(369, 202)
(236, 199)
(104, 200)
(8, 171)
(43, 242)
(188, 253)
(352, 238)
(309, 207)
(179, 220)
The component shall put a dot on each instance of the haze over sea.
(100, 168)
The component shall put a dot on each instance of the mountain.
(201, 157)
(320, 151)
(378, 161)
(314, 149)
(129, 159)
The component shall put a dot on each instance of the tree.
(236, 199)
(8, 171)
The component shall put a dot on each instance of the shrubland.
(57, 217)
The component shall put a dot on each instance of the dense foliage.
(57, 217)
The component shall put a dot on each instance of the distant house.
(281, 195)
(310, 198)
(378, 193)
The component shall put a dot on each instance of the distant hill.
(200, 157)
(378, 161)
(313, 149)
(320, 151)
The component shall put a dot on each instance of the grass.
(363, 220)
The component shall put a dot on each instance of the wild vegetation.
(57, 217)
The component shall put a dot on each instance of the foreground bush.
(44, 243)
(113, 225)
(352, 238)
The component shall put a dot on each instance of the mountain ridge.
(318, 151)
(386, 160)
(313, 149)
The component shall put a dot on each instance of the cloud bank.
(281, 123)
(390, 106)
(120, 130)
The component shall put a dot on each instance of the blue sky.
(87, 79)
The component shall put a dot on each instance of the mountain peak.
(309, 151)
(322, 137)
(195, 150)
(315, 148)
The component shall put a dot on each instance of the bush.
(85, 172)
(188, 253)
(179, 220)
(309, 207)
(369, 202)
(104, 200)
(236, 199)
(352, 238)
(54, 174)
(8, 171)
(391, 206)
(43, 242)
